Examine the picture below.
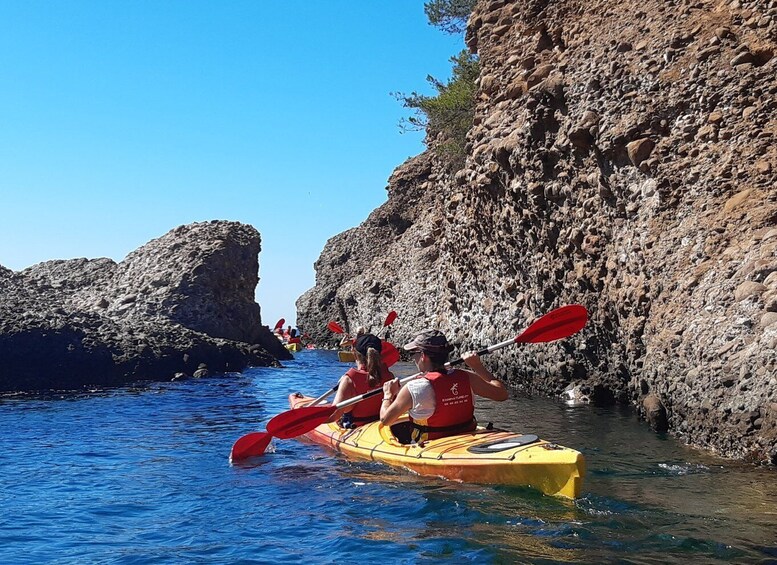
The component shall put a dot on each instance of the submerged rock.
(184, 299)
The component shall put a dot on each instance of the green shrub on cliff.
(446, 117)
(449, 15)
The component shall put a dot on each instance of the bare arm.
(395, 402)
(345, 390)
(481, 380)
(347, 341)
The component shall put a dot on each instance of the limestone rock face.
(183, 299)
(622, 156)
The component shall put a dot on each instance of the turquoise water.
(141, 475)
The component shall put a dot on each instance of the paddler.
(441, 402)
(348, 341)
(293, 337)
(370, 373)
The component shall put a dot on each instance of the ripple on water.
(141, 475)
(684, 468)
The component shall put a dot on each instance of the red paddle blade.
(389, 354)
(250, 445)
(335, 327)
(296, 422)
(561, 322)
(280, 323)
(390, 318)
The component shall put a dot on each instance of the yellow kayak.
(483, 456)
(346, 356)
(294, 347)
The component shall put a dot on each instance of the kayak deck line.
(520, 460)
(453, 445)
(452, 441)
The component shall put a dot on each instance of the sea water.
(141, 475)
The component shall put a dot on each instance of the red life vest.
(367, 410)
(454, 410)
(295, 340)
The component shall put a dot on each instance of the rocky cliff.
(623, 157)
(180, 301)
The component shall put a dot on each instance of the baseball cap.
(433, 341)
(365, 341)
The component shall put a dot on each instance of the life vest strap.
(418, 429)
(365, 419)
(348, 421)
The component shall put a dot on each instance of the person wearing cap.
(370, 373)
(441, 402)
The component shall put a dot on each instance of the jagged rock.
(639, 150)
(184, 299)
(653, 215)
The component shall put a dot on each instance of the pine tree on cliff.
(449, 15)
(446, 116)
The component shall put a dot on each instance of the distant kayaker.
(293, 338)
(441, 402)
(370, 373)
(348, 341)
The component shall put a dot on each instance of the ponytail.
(374, 367)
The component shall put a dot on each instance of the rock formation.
(623, 157)
(180, 301)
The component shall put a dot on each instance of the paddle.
(250, 445)
(390, 356)
(279, 324)
(338, 329)
(388, 353)
(558, 324)
(389, 320)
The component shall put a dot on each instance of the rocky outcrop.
(182, 300)
(623, 157)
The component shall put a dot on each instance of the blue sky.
(123, 120)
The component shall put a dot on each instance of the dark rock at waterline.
(181, 301)
(655, 413)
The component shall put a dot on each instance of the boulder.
(182, 300)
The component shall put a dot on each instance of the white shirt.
(424, 401)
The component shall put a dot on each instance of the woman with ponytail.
(370, 373)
